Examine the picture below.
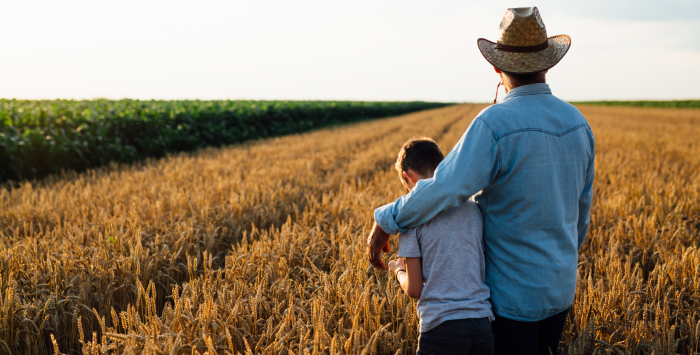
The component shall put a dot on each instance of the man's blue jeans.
(462, 336)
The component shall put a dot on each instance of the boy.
(444, 266)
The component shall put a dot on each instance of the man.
(529, 163)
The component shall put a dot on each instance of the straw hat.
(522, 46)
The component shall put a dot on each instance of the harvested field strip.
(116, 240)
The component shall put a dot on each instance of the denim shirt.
(528, 162)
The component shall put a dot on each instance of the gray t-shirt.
(451, 246)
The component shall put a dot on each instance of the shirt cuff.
(384, 217)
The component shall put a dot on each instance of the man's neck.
(509, 86)
(512, 84)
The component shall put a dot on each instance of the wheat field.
(259, 248)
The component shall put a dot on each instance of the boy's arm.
(410, 275)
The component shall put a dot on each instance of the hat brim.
(525, 63)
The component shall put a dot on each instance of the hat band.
(523, 49)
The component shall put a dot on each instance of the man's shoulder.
(546, 112)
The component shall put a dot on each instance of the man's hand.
(377, 241)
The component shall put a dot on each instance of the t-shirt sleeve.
(408, 244)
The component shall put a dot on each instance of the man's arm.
(471, 166)
(585, 201)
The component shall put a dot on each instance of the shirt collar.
(532, 89)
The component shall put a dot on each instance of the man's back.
(531, 209)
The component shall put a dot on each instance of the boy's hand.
(377, 241)
(396, 265)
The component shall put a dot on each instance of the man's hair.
(421, 155)
(526, 79)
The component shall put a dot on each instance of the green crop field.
(38, 138)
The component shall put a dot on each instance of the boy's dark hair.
(421, 155)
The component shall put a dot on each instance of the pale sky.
(335, 50)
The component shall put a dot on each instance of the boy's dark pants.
(462, 336)
(529, 338)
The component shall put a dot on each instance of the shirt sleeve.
(585, 201)
(408, 244)
(470, 167)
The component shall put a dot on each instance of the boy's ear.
(410, 176)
